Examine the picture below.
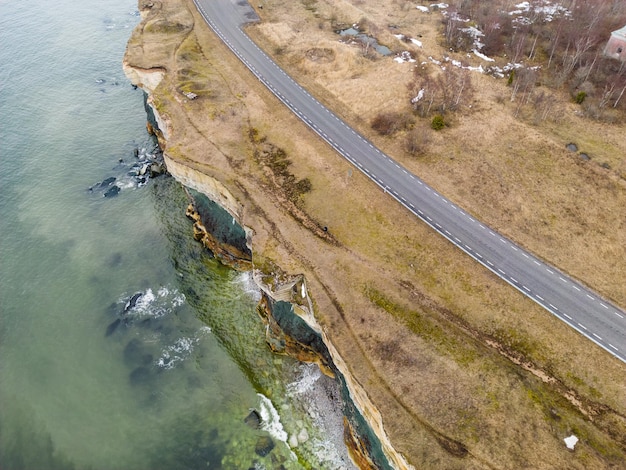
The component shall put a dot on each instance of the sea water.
(123, 343)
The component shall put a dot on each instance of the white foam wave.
(310, 375)
(271, 419)
(180, 350)
(164, 302)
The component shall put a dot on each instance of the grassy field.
(466, 372)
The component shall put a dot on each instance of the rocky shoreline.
(364, 435)
(294, 292)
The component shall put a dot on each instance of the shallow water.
(89, 378)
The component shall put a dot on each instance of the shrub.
(509, 82)
(438, 122)
(580, 97)
(417, 140)
(390, 122)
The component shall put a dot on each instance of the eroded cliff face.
(147, 63)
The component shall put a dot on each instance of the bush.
(417, 140)
(390, 122)
(580, 97)
(509, 82)
(438, 122)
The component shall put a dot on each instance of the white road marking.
(582, 326)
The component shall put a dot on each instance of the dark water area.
(123, 343)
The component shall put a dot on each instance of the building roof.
(620, 32)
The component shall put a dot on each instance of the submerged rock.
(264, 446)
(253, 419)
(112, 327)
(135, 354)
(139, 376)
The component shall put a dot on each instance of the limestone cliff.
(147, 62)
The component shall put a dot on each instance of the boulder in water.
(132, 301)
(156, 169)
(112, 191)
(108, 182)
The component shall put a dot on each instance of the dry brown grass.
(423, 328)
(515, 176)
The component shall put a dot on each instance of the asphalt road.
(584, 310)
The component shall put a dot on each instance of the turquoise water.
(86, 379)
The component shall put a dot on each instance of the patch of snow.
(478, 69)
(419, 96)
(404, 56)
(441, 6)
(454, 16)
(571, 441)
(483, 56)
(422, 8)
(404, 38)
(543, 8)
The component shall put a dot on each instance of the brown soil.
(466, 372)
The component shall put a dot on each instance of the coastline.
(329, 361)
(218, 167)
